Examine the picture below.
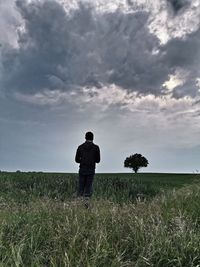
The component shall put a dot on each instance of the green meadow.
(144, 219)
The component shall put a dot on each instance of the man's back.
(87, 154)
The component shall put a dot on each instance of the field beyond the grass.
(133, 220)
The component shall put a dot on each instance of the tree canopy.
(135, 162)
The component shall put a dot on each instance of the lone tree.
(135, 162)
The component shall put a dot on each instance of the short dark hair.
(89, 136)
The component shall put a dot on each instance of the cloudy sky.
(128, 70)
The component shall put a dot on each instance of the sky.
(128, 70)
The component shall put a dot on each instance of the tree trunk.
(135, 169)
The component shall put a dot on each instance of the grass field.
(43, 224)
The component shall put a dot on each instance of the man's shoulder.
(81, 145)
(96, 146)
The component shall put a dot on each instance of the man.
(87, 154)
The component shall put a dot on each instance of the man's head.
(89, 136)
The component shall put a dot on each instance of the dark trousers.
(85, 184)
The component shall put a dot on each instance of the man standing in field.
(87, 154)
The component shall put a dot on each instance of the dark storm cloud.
(130, 54)
(42, 47)
(61, 51)
(188, 89)
(185, 54)
(177, 5)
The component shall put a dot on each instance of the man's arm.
(97, 158)
(78, 156)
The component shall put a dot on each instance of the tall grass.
(120, 188)
(49, 230)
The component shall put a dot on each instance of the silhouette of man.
(87, 154)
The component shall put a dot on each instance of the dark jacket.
(87, 154)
